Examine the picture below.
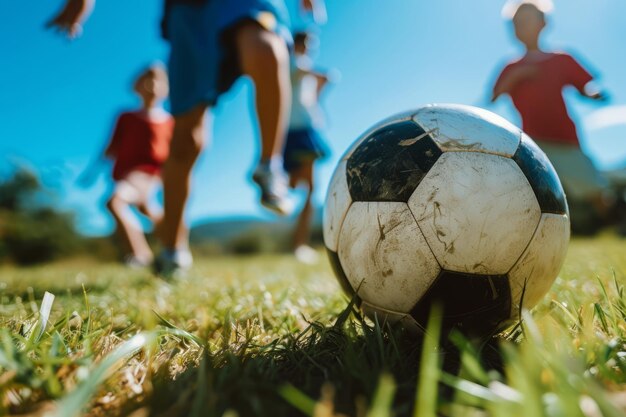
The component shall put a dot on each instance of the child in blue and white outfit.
(304, 143)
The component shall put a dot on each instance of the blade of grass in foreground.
(44, 313)
(383, 397)
(297, 399)
(73, 404)
(426, 402)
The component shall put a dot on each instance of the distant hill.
(249, 234)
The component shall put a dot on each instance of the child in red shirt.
(139, 147)
(535, 83)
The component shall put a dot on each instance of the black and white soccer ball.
(449, 204)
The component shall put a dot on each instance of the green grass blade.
(426, 402)
(73, 404)
(297, 399)
(383, 397)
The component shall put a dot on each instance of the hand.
(317, 10)
(308, 5)
(593, 91)
(71, 17)
(333, 75)
(599, 96)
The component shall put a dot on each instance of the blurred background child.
(139, 147)
(304, 143)
(535, 83)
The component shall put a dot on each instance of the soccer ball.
(446, 204)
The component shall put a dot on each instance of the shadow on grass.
(346, 359)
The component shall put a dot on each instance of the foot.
(134, 262)
(306, 255)
(274, 191)
(173, 263)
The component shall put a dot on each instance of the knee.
(270, 53)
(186, 152)
(262, 51)
(143, 208)
(187, 143)
(293, 181)
(113, 204)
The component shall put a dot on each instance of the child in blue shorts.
(213, 42)
(304, 143)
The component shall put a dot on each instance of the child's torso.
(305, 110)
(539, 99)
(145, 141)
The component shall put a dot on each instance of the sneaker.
(307, 255)
(274, 189)
(173, 263)
(133, 262)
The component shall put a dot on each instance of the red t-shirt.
(539, 98)
(140, 143)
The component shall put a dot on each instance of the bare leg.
(127, 230)
(155, 216)
(302, 234)
(602, 205)
(187, 142)
(263, 56)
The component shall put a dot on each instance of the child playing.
(213, 42)
(535, 83)
(139, 146)
(304, 144)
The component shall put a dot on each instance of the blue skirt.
(303, 145)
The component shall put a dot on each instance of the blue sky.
(59, 98)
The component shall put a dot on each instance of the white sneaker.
(173, 263)
(306, 255)
(133, 262)
(274, 188)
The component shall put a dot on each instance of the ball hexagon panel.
(533, 275)
(475, 304)
(337, 204)
(384, 255)
(400, 117)
(464, 128)
(477, 212)
(542, 177)
(390, 163)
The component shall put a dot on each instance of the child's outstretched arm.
(592, 91)
(97, 164)
(323, 78)
(331, 76)
(110, 151)
(70, 19)
(579, 77)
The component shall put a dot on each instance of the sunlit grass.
(267, 336)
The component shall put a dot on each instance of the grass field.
(265, 336)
